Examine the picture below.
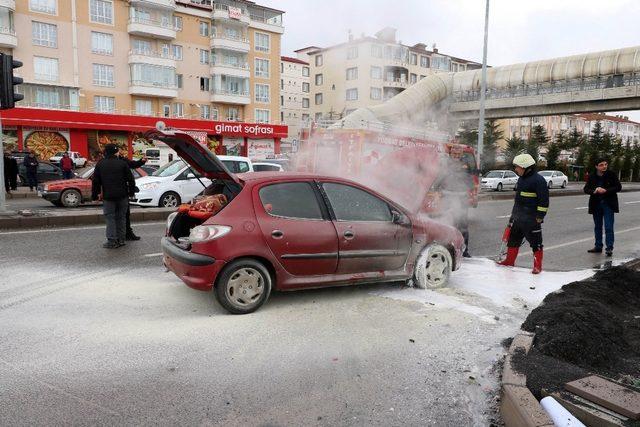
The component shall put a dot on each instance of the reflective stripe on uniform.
(542, 209)
(526, 194)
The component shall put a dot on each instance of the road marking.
(575, 242)
(152, 255)
(52, 230)
(632, 203)
(582, 207)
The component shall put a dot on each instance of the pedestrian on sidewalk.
(529, 209)
(114, 183)
(31, 165)
(603, 187)
(10, 173)
(133, 164)
(66, 164)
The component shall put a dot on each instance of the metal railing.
(8, 30)
(167, 3)
(240, 39)
(152, 22)
(203, 3)
(217, 6)
(216, 63)
(151, 54)
(219, 91)
(161, 85)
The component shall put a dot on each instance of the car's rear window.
(291, 200)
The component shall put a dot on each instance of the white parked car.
(499, 180)
(267, 167)
(78, 160)
(555, 178)
(176, 183)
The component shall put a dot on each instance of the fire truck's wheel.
(70, 198)
(169, 200)
(243, 286)
(433, 267)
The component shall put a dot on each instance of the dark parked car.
(287, 231)
(46, 172)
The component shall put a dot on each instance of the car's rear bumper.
(196, 270)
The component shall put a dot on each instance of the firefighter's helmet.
(523, 160)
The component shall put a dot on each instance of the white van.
(160, 155)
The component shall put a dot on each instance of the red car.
(73, 192)
(287, 231)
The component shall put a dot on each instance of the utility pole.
(483, 85)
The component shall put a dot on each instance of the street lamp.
(483, 86)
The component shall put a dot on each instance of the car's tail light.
(204, 233)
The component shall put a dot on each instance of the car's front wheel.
(550, 185)
(499, 187)
(243, 286)
(564, 184)
(433, 267)
(169, 200)
(71, 198)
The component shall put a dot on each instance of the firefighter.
(530, 206)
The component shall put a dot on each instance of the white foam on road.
(482, 280)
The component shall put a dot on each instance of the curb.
(80, 218)
(559, 193)
(518, 406)
(21, 195)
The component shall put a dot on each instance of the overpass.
(599, 81)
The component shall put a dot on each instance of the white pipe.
(559, 415)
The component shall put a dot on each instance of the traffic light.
(8, 97)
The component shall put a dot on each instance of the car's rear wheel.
(499, 187)
(71, 198)
(433, 267)
(564, 184)
(169, 200)
(243, 286)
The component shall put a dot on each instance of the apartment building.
(200, 60)
(295, 97)
(367, 71)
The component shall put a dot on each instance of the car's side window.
(46, 168)
(296, 200)
(185, 173)
(353, 204)
(511, 174)
(243, 167)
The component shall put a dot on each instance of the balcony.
(10, 4)
(396, 82)
(153, 58)
(230, 97)
(166, 4)
(8, 38)
(241, 70)
(151, 28)
(141, 88)
(237, 14)
(223, 41)
(266, 20)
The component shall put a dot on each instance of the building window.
(376, 93)
(441, 63)
(318, 60)
(101, 43)
(318, 79)
(262, 42)
(103, 75)
(262, 93)
(214, 114)
(263, 116)
(177, 52)
(352, 73)
(376, 72)
(101, 11)
(413, 78)
(44, 34)
(177, 22)
(305, 71)
(262, 68)
(352, 94)
(204, 56)
(305, 102)
(376, 51)
(153, 75)
(45, 68)
(178, 109)
(166, 110)
(318, 99)
(233, 115)
(204, 29)
(352, 52)
(43, 6)
(424, 61)
(204, 84)
(306, 87)
(205, 111)
(413, 59)
(104, 104)
(281, 100)
(143, 107)
(179, 81)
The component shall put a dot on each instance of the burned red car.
(288, 231)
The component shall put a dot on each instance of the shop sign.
(245, 129)
(260, 148)
(235, 12)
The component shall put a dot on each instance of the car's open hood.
(194, 153)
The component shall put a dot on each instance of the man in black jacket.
(133, 164)
(530, 207)
(31, 165)
(603, 187)
(113, 179)
(10, 172)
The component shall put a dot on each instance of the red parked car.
(287, 231)
(73, 192)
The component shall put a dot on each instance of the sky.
(519, 30)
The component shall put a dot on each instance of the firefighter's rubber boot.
(537, 262)
(512, 254)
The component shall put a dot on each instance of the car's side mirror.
(399, 218)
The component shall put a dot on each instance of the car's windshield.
(170, 168)
(86, 174)
(546, 173)
(494, 174)
(59, 154)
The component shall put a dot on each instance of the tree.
(595, 144)
(636, 163)
(515, 146)
(627, 162)
(573, 140)
(537, 139)
(492, 134)
(553, 152)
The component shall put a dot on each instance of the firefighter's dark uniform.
(530, 207)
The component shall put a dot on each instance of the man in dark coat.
(133, 164)
(10, 173)
(529, 209)
(603, 187)
(66, 164)
(31, 165)
(114, 183)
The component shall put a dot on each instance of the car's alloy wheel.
(433, 267)
(71, 198)
(169, 200)
(499, 187)
(243, 286)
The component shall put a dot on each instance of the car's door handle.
(277, 234)
(349, 234)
